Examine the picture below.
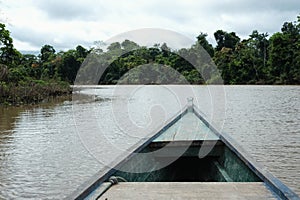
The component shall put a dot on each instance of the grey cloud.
(168, 10)
(29, 35)
(246, 16)
(254, 6)
(243, 17)
(37, 39)
(270, 22)
(183, 11)
(70, 9)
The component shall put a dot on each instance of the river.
(50, 149)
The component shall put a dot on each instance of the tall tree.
(46, 52)
(260, 43)
(129, 45)
(114, 46)
(81, 53)
(48, 61)
(224, 39)
(8, 54)
(223, 59)
(284, 54)
(201, 40)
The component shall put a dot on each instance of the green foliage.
(284, 55)
(3, 72)
(16, 74)
(47, 51)
(8, 54)
(129, 45)
(28, 78)
(202, 41)
(227, 40)
(114, 46)
(258, 60)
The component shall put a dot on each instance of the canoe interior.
(179, 145)
(220, 165)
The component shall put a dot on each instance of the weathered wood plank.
(188, 190)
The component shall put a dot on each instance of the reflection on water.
(43, 154)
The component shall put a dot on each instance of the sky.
(64, 24)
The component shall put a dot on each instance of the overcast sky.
(67, 23)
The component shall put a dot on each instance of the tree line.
(259, 59)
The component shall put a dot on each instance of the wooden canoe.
(206, 164)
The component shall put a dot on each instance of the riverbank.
(31, 92)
